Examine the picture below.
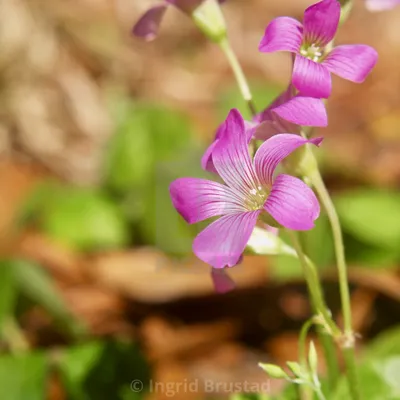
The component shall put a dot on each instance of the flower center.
(256, 198)
(313, 52)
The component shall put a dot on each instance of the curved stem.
(347, 342)
(314, 286)
(239, 75)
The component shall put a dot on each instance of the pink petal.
(222, 243)
(282, 34)
(379, 5)
(148, 25)
(273, 151)
(351, 62)
(270, 122)
(311, 79)
(266, 129)
(223, 283)
(198, 199)
(292, 203)
(321, 21)
(301, 110)
(207, 161)
(231, 156)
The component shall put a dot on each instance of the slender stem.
(302, 340)
(339, 249)
(348, 337)
(314, 286)
(349, 358)
(330, 329)
(330, 355)
(239, 75)
(305, 391)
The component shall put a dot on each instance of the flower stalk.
(239, 74)
(347, 341)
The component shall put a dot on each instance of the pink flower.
(148, 25)
(314, 60)
(250, 192)
(288, 112)
(379, 5)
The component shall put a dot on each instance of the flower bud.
(209, 19)
(274, 371)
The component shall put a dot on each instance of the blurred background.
(98, 286)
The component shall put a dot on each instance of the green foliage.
(23, 376)
(82, 219)
(103, 370)
(152, 146)
(35, 284)
(379, 370)
(8, 291)
(371, 216)
(85, 219)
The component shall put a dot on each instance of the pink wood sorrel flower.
(314, 59)
(379, 5)
(250, 192)
(148, 25)
(287, 113)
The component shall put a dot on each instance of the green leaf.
(385, 345)
(103, 370)
(130, 156)
(162, 225)
(371, 216)
(34, 283)
(23, 377)
(145, 135)
(84, 219)
(8, 291)
(375, 384)
(379, 370)
(358, 252)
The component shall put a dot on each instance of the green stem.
(305, 391)
(326, 200)
(239, 75)
(330, 329)
(330, 355)
(347, 342)
(314, 287)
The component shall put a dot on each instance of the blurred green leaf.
(103, 370)
(84, 219)
(34, 283)
(379, 370)
(162, 225)
(358, 252)
(145, 135)
(385, 345)
(23, 377)
(8, 291)
(371, 216)
(375, 383)
(263, 93)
